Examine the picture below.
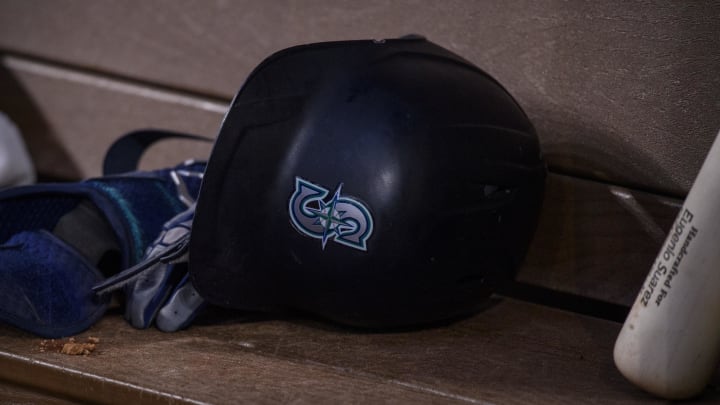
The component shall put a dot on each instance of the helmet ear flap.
(374, 183)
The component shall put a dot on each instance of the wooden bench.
(624, 97)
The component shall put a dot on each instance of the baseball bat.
(669, 344)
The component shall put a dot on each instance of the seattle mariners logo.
(342, 218)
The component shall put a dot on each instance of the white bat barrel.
(670, 342)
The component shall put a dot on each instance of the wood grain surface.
(71, 118)
(511, 353)
(597, 240)
(624, 92)
(22, 395)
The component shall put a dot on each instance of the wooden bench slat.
(513, 352)
(16, 394)
(597, 240)
(623, 92)
(70, 118)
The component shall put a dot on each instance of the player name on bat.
(670, 342)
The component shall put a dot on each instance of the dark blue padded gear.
(39, 292)
(135, 206)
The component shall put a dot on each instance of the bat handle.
(670, 342)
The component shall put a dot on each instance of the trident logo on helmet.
(342, 219)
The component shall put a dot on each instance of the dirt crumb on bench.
(70, 346)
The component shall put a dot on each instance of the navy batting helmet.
(374, 183)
